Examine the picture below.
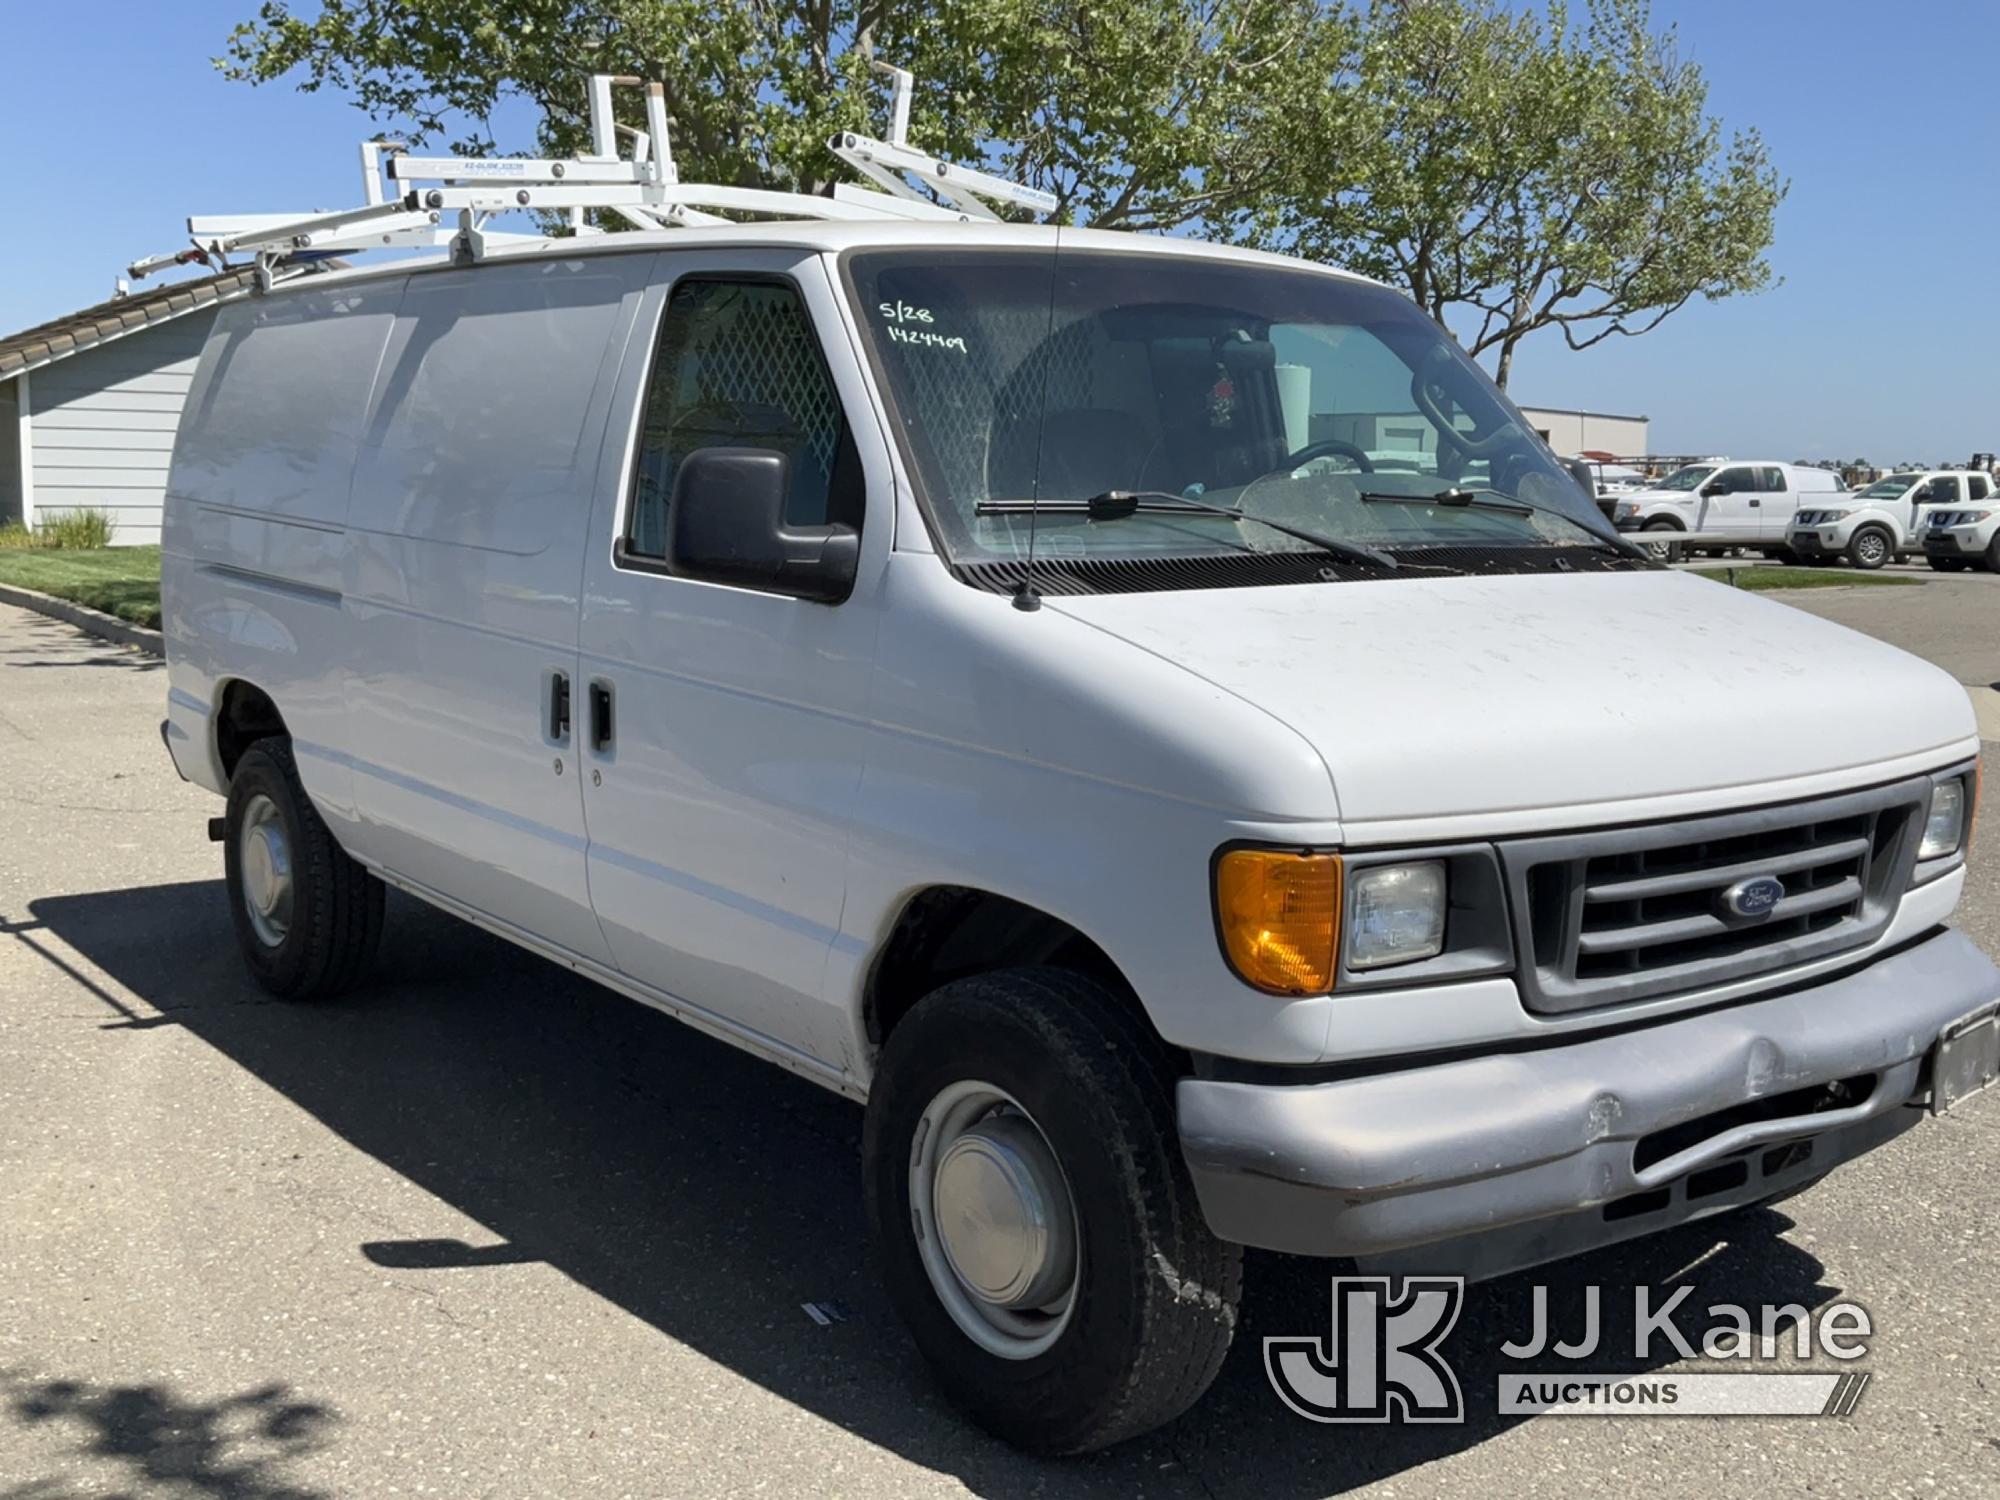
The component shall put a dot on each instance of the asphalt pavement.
(487, 1230)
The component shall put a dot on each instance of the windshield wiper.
(1489, 499)
(1116, 505)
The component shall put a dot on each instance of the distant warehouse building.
(89, 404)
(1572, 432)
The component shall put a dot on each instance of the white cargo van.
(980, 667)
(1884, 521)
(1732, 503)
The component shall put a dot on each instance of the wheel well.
(246, 716)
(949, 932)
(1663, 523)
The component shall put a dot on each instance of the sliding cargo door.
(471, 501)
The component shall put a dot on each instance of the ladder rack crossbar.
(460, 194)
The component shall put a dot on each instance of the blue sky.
(1881, 342)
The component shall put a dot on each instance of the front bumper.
(1951, 544)
(1488, 1164)
(1812, 544)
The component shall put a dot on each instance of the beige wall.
(1571, 432)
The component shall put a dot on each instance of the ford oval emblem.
(1753, 897)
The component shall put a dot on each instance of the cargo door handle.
(559, 706)
(600, 716)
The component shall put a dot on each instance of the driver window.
(1981, 490)
(1941, 490)
(1729, 482)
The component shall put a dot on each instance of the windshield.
(1686, 479)
(1297, 396)
(1889, 488)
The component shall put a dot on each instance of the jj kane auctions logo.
(1380, 1360)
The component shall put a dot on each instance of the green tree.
(1136, 113)
(1515, 173)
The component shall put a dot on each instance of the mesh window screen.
(737, 366)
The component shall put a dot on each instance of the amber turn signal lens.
(1279, 915)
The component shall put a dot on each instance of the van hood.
(1547, 700)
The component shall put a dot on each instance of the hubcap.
(264, 862)
(995, 1225)
(1871, 547)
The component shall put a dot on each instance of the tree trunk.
(1506, 364)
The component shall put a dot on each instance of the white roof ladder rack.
(449, 200)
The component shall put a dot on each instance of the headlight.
(1944, 828)
(1278, 914)
(1967, 517)
(1396, 914)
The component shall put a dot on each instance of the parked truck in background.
(1883, 522)
(1732, 503)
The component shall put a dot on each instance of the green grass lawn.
(1806, 578)
(121, 581)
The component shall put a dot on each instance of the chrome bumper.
(1487, 1164)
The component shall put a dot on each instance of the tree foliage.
(1513, 172)
(1142, 114)
(1517, 174)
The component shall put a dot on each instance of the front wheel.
(1655, 544)
(307, 916)
(1993, 554)
(1869, 548)
(1034, 1217)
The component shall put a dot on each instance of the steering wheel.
(1432, 395)
(1327, 448)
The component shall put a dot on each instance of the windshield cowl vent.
(1139, 575)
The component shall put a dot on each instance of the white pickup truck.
(980, 668)
(1732, 503)
(1884, 521)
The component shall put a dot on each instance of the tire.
(308, 918)
(1151, 1302)
(1662, 551)
(1870, 547)
(1993, 554)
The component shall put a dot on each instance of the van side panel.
(254, 557)
(471, 501)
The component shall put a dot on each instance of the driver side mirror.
(1710, 491)
(728, 526)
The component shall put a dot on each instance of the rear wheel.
(307, 917)
(1033, 1213)
(1870, 547)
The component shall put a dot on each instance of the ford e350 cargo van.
(994, 672)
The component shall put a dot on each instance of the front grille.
(1628, 914)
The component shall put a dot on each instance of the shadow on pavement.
(710, 1195)
(55, 643)
(147, 1440)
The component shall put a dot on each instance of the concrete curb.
(92, 621)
